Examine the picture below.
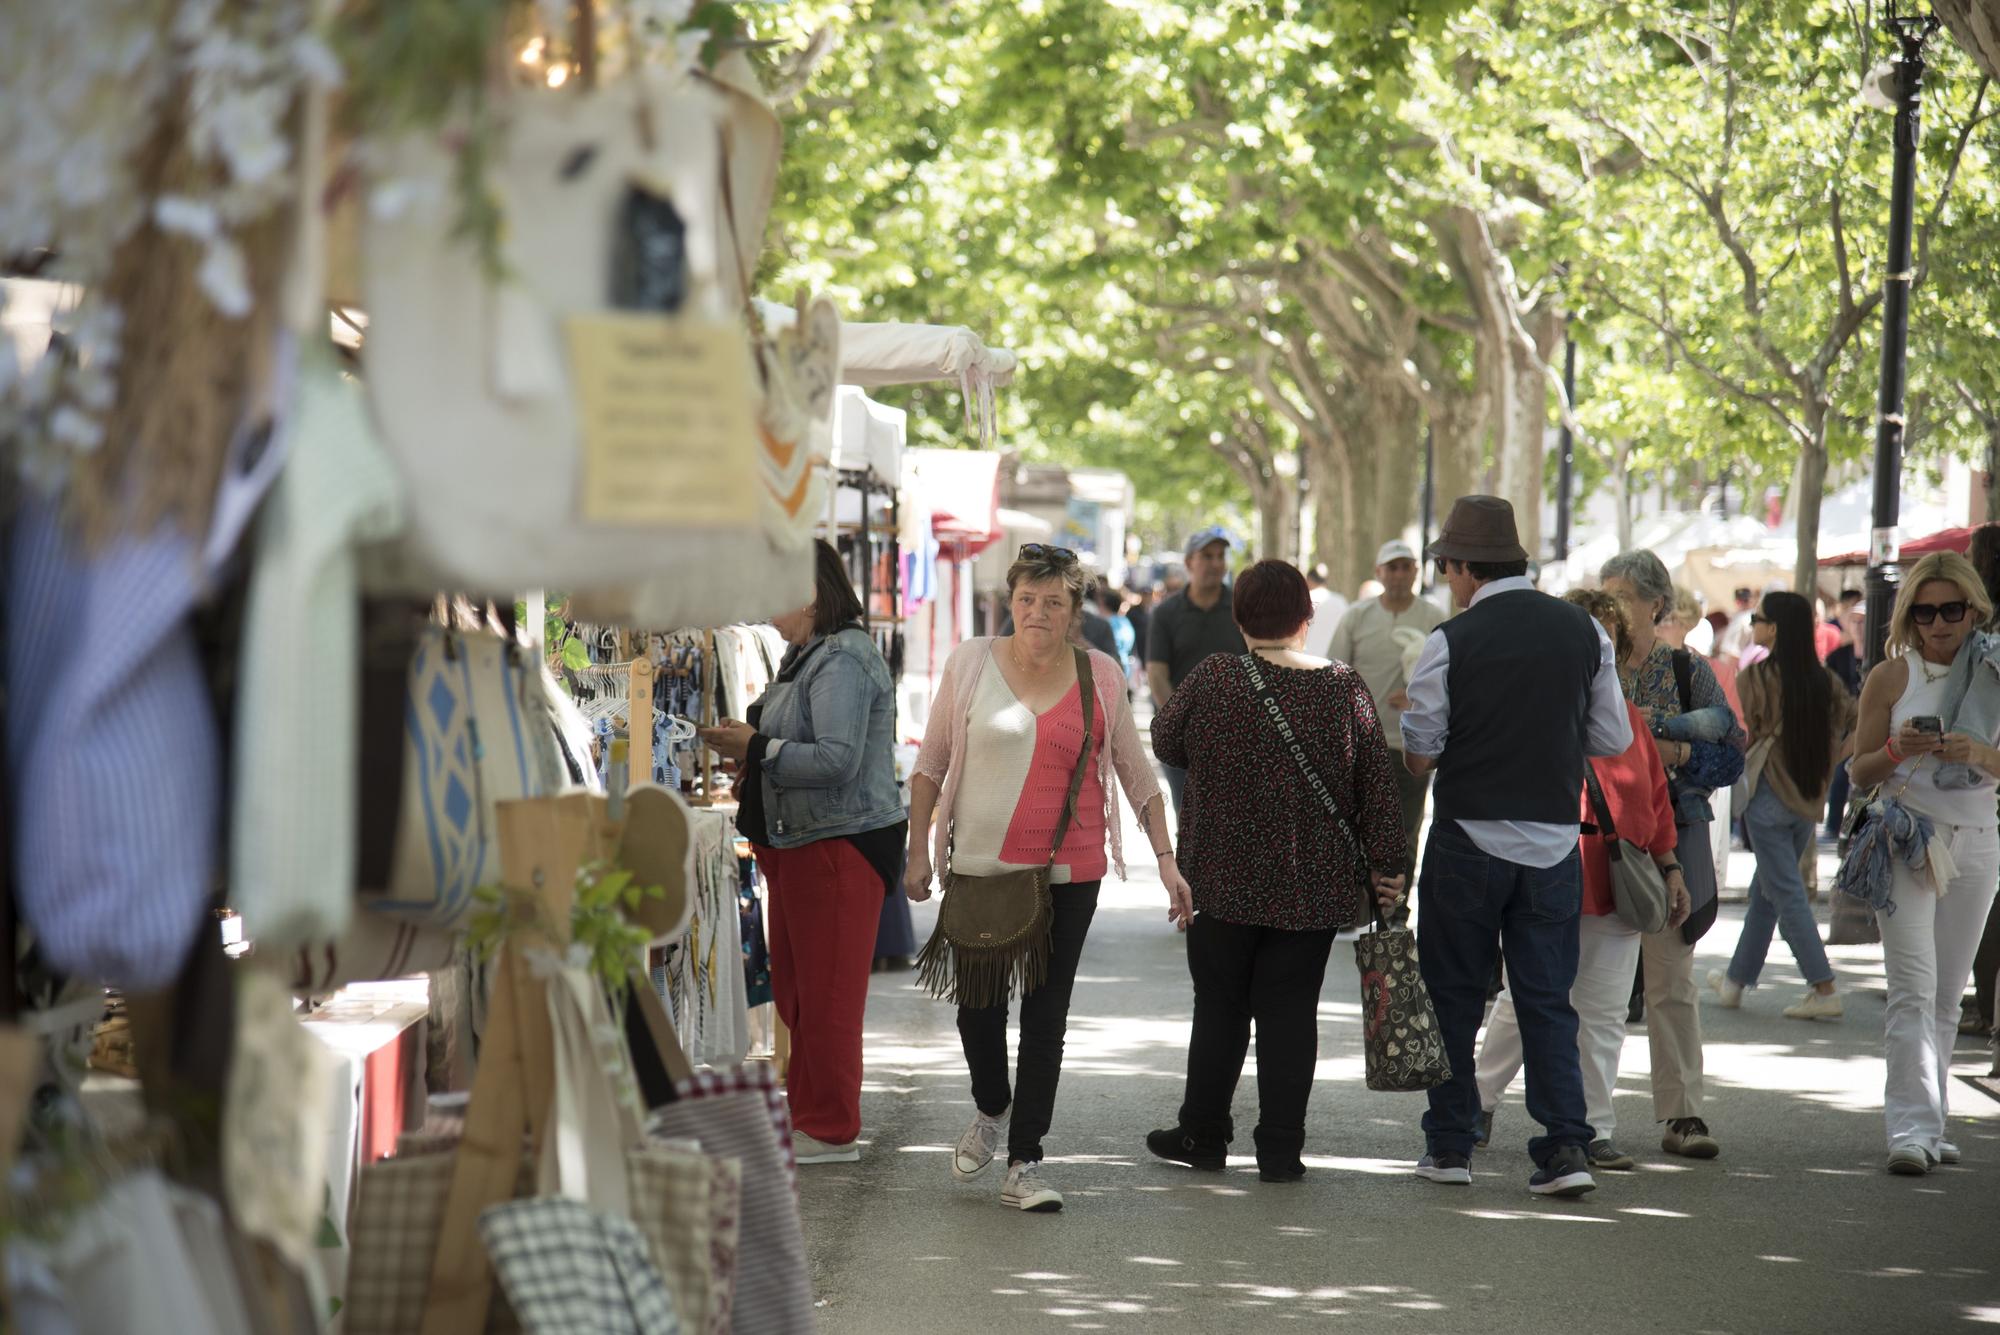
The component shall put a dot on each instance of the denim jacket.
(836, 772)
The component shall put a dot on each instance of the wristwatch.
(1670, 867)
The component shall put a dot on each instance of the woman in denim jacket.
(821, 807)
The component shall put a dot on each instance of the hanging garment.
(495, 396)
(294, 824)
(112, 748)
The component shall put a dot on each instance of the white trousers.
(1927, 946)
(1608, 954)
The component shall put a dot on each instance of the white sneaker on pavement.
(1727, 993)
(1816, 1006)
(1910, 1160)
(1025, 1190)
(977, 1146)
(1948, 1152)
(806, 1150)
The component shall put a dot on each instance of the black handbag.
(993, 931)
(1399, 1027)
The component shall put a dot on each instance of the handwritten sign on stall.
(665, 413)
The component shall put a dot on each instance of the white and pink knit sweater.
(942, 755)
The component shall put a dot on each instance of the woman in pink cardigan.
(1009, 717)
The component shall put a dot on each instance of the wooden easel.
(543, 841)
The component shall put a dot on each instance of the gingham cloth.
(397, 1215)
(740, 1113)
(571, 1270)
(699, 1199)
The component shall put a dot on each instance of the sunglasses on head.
(1039, 551)
(1953, 612)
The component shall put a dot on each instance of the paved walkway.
(1795, 1228)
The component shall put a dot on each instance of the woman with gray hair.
(1701, 745)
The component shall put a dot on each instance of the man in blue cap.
(1198, 621)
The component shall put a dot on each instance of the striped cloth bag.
(740, 1113)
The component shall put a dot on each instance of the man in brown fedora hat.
(1506, 701)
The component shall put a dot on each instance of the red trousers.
(825, 906)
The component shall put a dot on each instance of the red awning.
(1944, 540)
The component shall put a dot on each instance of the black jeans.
(1044, 1020)
(1243, 973)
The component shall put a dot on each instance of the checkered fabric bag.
(698, 1199)
(398, 1212)
(740, 1113)
(570, 1270)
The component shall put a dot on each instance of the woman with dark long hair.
(1798, 715)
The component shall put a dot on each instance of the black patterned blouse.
(1257, 847)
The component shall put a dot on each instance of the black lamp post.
(1911, 32)
(1566, 460)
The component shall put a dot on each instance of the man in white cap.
(1191, 625)
(1375, 638)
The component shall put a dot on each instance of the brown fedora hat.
(1480, 528)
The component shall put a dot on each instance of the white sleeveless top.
(1946, 806)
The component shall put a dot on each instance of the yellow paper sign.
(664, 412)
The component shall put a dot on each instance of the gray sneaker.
(1603, 1154)
(1485, 1136)
(977, 1146)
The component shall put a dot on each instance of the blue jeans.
(1779, 836)
(1471, 905)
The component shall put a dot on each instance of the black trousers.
(1266, 974)
(1044, 1021)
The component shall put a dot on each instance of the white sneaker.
(1025, 1190)
(1948, 1152)
(1727, 993)
(807, 1150)
(1910, 1160)
(1816, 1006)
(977, 1146)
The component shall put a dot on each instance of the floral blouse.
(1652, 688)
(1256, 845)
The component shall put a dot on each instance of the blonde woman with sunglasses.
(1929, 721)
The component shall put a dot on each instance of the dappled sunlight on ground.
(1797, 1226)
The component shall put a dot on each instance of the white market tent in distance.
(876, 355)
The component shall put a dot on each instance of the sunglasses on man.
(1039, 551)
(1953, 612)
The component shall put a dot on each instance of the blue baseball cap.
(1202, 537)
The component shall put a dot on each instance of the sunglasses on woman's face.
(1953, 613)
(1759, 619)
(1036, 551)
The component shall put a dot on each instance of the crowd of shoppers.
(1559, 733)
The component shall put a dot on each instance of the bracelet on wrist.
(1889, 748)
(1162, 853)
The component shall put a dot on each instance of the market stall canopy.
(1024, 525)
(1945, 540)
(961, 491)
(876, 355)
(867, 434)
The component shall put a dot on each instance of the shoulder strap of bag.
(1086, 687)
(1600, 808)
(1291, 743)
(1684, 679)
